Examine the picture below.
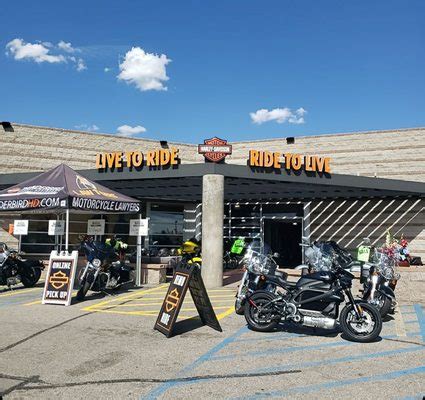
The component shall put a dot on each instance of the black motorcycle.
(106, 268)
(314, 301)
(14, 269)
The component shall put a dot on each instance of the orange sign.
(290, 161)
(152, 158)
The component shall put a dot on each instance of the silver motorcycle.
(256, 266)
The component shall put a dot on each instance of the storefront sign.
(129, 159)
(138, 227)
(95, 227)
(215, 149)
(20, 227)
(60, 278)
(185, 277)
(289, 161)
(56, 227)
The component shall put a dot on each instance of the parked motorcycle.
(256, 266)
(14, 269)
(314, 300)
(106, 268)
(190, 252)
(376, 288)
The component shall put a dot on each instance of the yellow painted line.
(400, 328)
(119, 298)
(22, 291)
(230, 311)
(32, 303)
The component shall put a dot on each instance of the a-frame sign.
(185, 277)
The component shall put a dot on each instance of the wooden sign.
(185, 277)
(60, 278)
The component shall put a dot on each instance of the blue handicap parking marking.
(335, 384)
(421, 319)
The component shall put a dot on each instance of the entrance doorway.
(284, 237)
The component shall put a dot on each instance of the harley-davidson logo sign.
(215, 149)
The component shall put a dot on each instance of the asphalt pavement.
(106, 348)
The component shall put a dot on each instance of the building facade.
(252, 208)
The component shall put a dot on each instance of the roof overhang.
(242, 183)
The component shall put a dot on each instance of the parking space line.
(334, 384)
(400, 328)
(124, 297)
(421, 319)
(17, 292)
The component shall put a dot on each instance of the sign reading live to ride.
(60, 278)
(185, 277)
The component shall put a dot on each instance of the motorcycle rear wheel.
(258, 320)
(365, 330)
(31, 277)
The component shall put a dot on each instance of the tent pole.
(67, 230)
(139, 259)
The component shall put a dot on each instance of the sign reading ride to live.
(60, 278)
(185, 277)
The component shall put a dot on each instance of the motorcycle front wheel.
(239, 307)
(384, 304)
(81, 294)
(364, 329)
(259, 315)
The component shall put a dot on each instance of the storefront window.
(166, 225)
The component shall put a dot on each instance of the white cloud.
(44, 52)
(106, 69)
(145, 70)
(280, 115)
(81, 66)
(67, 47)
(37, 52)
(130, 131)
(88, 128)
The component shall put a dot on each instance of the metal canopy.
(242, 183)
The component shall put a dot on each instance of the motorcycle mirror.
(276, 255)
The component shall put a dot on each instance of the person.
(118, 247)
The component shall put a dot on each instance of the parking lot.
(105, 347)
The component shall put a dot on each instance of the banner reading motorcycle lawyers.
(62, 188)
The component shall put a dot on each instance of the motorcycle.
(314, 301)
(106, 268)
(376, 289)
(379, 279)
(190, 252)
(15, 270)
(256, 266)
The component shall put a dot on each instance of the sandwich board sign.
(20, 227)
(60, 278)
(96, 227)
(186, 277)
(56, 227)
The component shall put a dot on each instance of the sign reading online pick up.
(60, 278)
(20, 227)
(138, 227)
(95, 227)
(56, 227)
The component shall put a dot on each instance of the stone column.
(212, 230)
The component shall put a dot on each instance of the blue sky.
(322, 66)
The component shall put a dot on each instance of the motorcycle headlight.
(96, 263)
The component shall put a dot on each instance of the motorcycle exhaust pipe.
(319, 322)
